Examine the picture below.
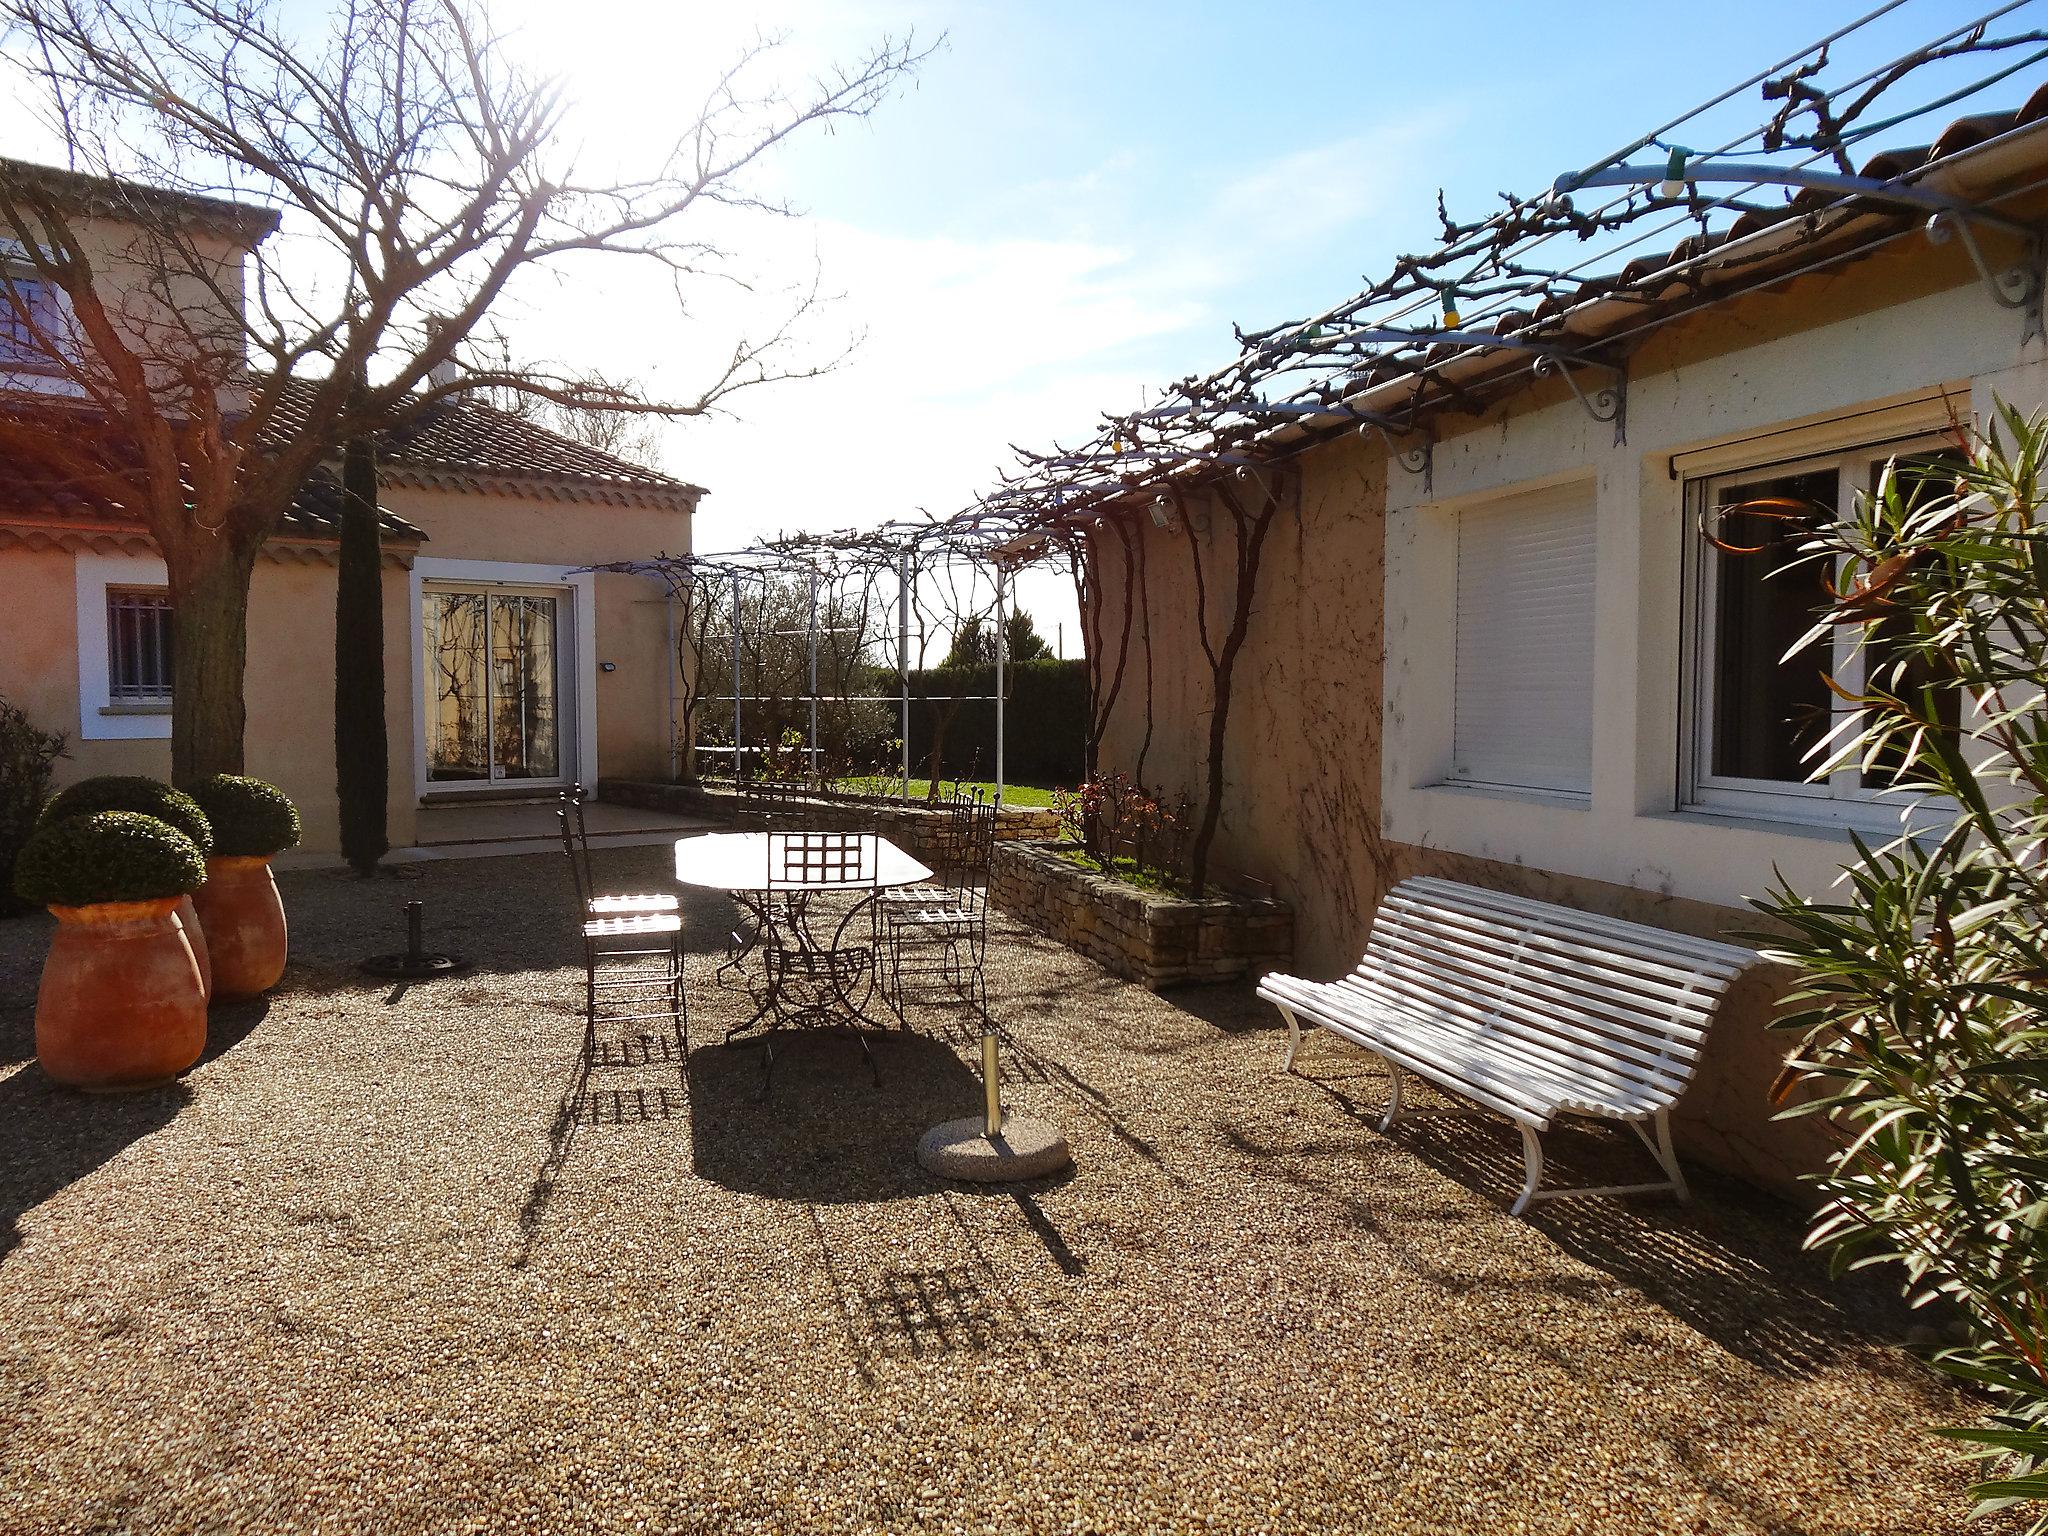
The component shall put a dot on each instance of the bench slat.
(1594, 1055)
(1484, 935)
(1557, 1066)
(1402, 961)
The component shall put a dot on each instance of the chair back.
(576, 843)
(967, 844)
(809, 860)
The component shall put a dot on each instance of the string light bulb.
(1450, 310)
(1673, 184)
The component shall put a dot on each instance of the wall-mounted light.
(1161, 518)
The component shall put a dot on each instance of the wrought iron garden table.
(826, 971)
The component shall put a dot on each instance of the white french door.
(494, 684)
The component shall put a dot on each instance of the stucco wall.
(290, 683)
(632, 619)
(1342, 697)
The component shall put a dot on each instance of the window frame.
(101, 716)
(20, 350)
(1843, 800)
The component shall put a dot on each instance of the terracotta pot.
(188, 918)
(120, 1005)
(244, 922)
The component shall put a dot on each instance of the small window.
(1759, 714)
(28, 316)
(138, 645)
(1523, 714)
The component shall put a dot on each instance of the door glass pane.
(523, 716)
(458, 742)
(1769, 712)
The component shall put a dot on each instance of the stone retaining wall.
(1159, 941)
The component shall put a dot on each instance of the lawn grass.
(1028, 796)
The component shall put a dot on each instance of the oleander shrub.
(1923, 998)
(251, 819)
(132, 792)
(27, 756)
(107, 856)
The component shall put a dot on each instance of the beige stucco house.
(1529, 669)
(510, 667)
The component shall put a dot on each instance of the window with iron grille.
(138, 645)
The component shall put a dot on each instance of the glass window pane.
(458, 740)
(1768, 712)
(523, 695)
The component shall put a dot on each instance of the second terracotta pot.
(243, 919)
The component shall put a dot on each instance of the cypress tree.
(361, 753)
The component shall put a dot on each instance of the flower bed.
(1155, 939)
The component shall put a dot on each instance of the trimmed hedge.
(131, 792)
(251, 819)
(1045, 724)
(107, 856)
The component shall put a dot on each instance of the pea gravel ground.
(388, 1261)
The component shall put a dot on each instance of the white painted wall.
(1632, 830)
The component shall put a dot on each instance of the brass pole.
(991, 1089)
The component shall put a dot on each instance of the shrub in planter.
(239, 906)
(250, 819)
(152, 797)
(132, 792)
(26, 755)
(121, 1004)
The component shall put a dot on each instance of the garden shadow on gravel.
(823, 1131)
(52, 1136)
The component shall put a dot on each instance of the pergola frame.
(905, 554)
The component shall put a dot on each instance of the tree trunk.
(361, 749)
(209, 582)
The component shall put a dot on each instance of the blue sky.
(1073, 202)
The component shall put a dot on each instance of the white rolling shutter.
(1525, 643)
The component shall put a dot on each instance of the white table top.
(738, 861)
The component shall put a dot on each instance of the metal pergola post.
(1002, 649)
(903, 656)
(735, 677)
(814, 676)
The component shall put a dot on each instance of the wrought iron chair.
(940, 931)
(632, 955)
(576, 844)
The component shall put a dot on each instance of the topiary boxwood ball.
(251, 819)
(131, 792)
(108, 856)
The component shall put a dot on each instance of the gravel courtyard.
(386, 1261)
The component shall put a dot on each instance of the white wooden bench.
(1528, 1008)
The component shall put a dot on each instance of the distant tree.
(974, 645)
(420, 170)
(626, 435)
(1021, 639)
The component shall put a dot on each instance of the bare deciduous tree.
(414, 170)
